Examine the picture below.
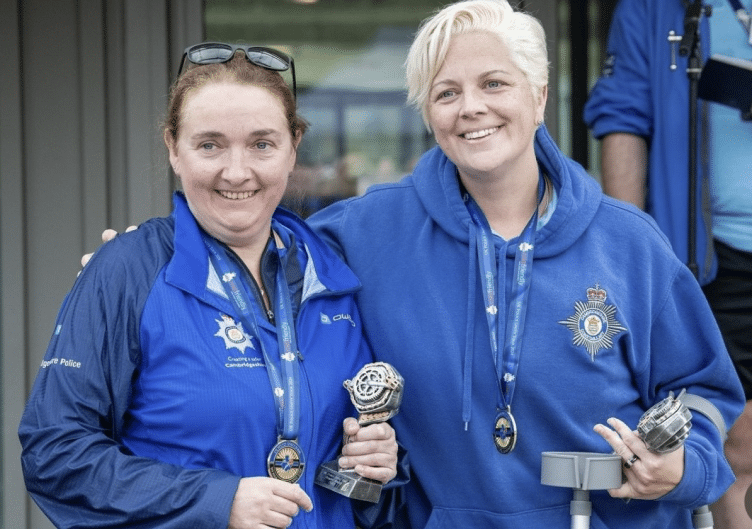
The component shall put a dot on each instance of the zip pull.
(673, 39)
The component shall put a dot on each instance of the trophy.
(666, 425)
(376, 392)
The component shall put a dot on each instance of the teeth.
(479, 133)
(236, 196)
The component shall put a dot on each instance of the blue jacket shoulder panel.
(75, 465)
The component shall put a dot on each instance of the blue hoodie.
(412, 245)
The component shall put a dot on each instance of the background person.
(156, 404)
(639, 108)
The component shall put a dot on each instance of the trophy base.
(348, 483)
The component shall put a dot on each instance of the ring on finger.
(632, 461)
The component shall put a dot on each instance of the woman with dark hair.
(194, 378)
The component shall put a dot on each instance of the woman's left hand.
(371, 450)
(648, 475)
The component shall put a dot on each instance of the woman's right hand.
(267, 502)
(107, 235)
(649, 475)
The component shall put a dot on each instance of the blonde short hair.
(520, 32)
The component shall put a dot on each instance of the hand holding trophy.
(376, 392)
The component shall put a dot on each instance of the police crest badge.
(593, 323)
(233, 334)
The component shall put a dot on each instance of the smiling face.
(233, 154)
(482, 109)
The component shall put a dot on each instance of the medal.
(505, 431)
(286, 461)
(506, 358)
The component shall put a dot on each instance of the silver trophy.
(665, 426)
(376, 392)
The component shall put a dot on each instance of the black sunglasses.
(217, 52)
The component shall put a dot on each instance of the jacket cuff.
(694, 486)
(392, 501)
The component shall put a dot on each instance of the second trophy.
(376, 392)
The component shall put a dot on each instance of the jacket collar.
(189, 268)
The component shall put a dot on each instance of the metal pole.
(580, 509)
(690, 47)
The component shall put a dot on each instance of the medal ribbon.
(506, 359)
(288, 400)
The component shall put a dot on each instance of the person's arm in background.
(624, 160)
(619, 110)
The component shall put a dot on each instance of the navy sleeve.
(390, 510)
(75, 467)
(621, 99)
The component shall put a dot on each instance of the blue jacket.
(412, 246)
(150, 406)
(640, 94)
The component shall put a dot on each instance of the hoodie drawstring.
(467, 383)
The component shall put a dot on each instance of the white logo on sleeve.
(326, 320)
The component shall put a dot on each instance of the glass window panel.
(349, 59)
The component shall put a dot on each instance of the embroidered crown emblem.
(593, 324)
(596, 294)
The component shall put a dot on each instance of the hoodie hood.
(579, 196)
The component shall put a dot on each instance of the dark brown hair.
(238, 70)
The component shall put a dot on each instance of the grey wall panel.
(52, 178)
(82, 92)
(146, 85)
(14, 505)
(93, 132)
(186, 28)
(52, 158)
(117, 177)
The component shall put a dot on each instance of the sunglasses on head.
(217, 52)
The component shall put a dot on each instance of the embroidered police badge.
(593, 324)
(233, 335)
